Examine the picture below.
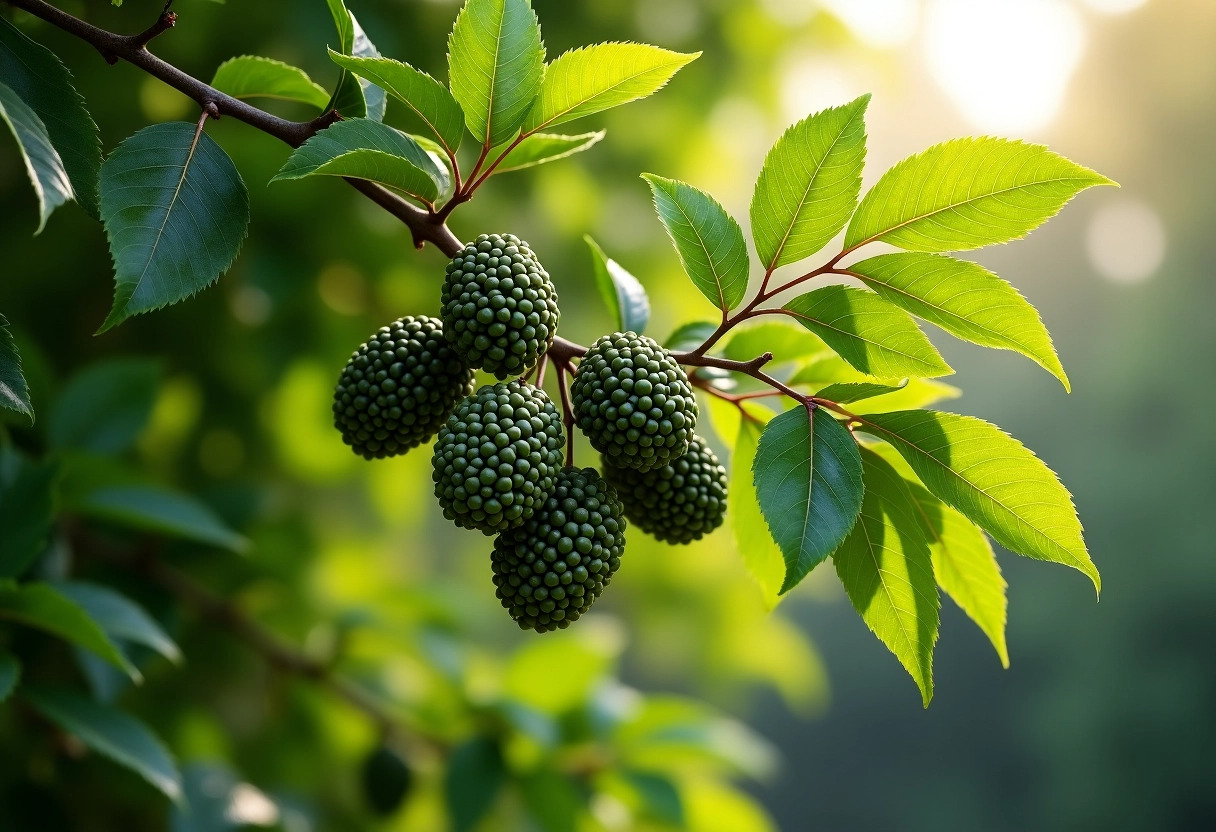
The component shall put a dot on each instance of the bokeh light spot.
(342, 288)
(1114, 6)
(877, 22)
(1126, 241)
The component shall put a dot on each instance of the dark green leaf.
(14, 392)
(553, 801)
(42, 163)
(707, 239)
(495, 64)
(10, 674)
(175, 210)
(596, 78)
(45, 85)
(965, 299)
(887, 572)
(992, 479)
(108, 731)
(214, 799)
(425, 96)
(27, 515)
(42, 606)
(846, 392)
(874, 336)
(386, 780)
(808, 480)
(105, 407)
(968, 193)
(163, 512)
(689, 336)
(354, 97)
(475, 775)
(368, 150)
(622, 292)
(120, 617)
(540, 148)
(251, 76)
(809, 184)
(659, 797)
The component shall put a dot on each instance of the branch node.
(164, 23)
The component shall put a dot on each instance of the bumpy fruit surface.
(399, 388)
(678, 503)
(550, 570)
(634, 402)
(499, 307)
(497, 457)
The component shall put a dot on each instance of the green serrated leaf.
(41, 606)
(175, 211)
(689, 336)
(707, 239)
(495, 64)
(965, 299)
(622, 292)
(14, 392)
(426, 97)
(992, 479)
(252, 76)
(475, 775)
(41, 80)
(887, 572)
(120, 617)
(10, 674)
(27, 516)
(371, 150)
(807, 474)
(109, 731)
(354, 97)
(163, 512)
(918, 392)
(105, 407)
(761, 554)
(809, 184)
(786, 341)
(848, 392)
(42, 163)
(968, 193)
(874, 336)
(591, 79)
(540, 148)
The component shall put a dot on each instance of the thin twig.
(567, 409)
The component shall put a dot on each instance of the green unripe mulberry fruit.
(497, 457)
(634, 402)
(550, 570)
(678, 503)
(399, 388)
(499, 308)
(386, 780)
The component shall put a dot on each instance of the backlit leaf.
(42, 163)
(761, 554)
(785, 340)
(848, 392)
(252, 76)
(622, 292)
(354, 97)
(540, 148)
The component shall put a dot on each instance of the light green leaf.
(992, 479)
(475, 775)
(112, 733)
(175, 211)
(966, 194)
(42, 606)
(707, 239)
(622, 292)
(584, 663)
(10, 674)
(354, 97)
(425, 96)
(540, 148)
(871, 334)
(252, 76)
(786, 341)
(105, 407)
(120, 617)
(809, 184)
(963, 298)
(808, 479)
(14, 392)
(761, 554)
(495, 64)
(163, 512)
(27, 516)
(596, 78)
(848, 392)
(887, 572)
(689, 336)
(42, 163)
(42, 81)
(918, 392)
(370, 150)
(673, 734)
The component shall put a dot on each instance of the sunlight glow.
(1126, 241)
(1005, 63)
(877, 22)
(1114, 6)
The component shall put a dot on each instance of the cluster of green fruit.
(498, 461)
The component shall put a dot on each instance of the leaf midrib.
(599, 94)
(722, 304)
(794, 314)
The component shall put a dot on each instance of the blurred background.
(1105, 719)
